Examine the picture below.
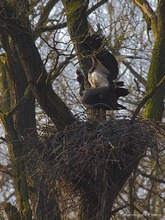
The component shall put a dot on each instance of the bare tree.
(62, 165)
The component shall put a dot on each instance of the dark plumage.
(121, 92)
(104, 92)
(102, 59)
(103, 98)
(100, 98)
(80, 79)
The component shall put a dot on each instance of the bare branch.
(151, 177)
(139, 77)
(146, 8)
(118, 209)
(97, 5)
(149, 15)
(51, 28)
(61, 67)
(4, 169)
(45, 12)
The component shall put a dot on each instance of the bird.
(99, 76)
(80, 79)
(102, 97)
(105, 91)
(104, 65)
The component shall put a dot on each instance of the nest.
(86, 149)
(93, 156)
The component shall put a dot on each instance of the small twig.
(97, 5)
(151, 177)
(118, 209)
(3, 139)
(4, 169)
(7, 172)
(146, 98)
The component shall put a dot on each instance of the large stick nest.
(85, 153)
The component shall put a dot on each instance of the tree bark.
(78, 27)
(20, 124)
(155, 106)
(21, 34)
(15, 150)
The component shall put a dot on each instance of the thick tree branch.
(40, 28)
(20, 102)
(12, 212)
(145, 7)
(146, 98)
(76, 12)
(45, 13)
(18, 29)
(149, 15)
(97, 5)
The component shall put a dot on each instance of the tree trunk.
(15, 150)
(14, 84)
(78, 27)
(20, 32)
(155, 106)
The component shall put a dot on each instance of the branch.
(45, 13)
(139, 77)
(118, 209)
(61, 66)
(21, 101)
(97, 5)
(3, 139)
(7, 172)
(51, 28)
(146, 98)
(141, 213)
(145, 7)
(12, 212)
(151, 177)
(149, 15)
(4, 169)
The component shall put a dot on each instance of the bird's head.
(80, 72)
(81, 75)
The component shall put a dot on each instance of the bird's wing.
(95, 45)
(92, 43)
(109, 62)
(93, 92)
